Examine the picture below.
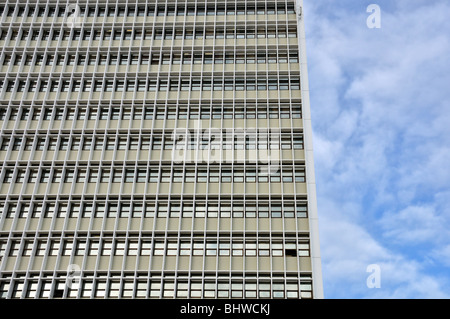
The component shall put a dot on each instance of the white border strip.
(310, 176)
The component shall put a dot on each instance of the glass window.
(301, 210)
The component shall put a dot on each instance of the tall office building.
(156, 149)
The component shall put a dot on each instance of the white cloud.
(414, 224)
(349, 248)
(380, 110)
(442, 254)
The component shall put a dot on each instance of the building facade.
(156, 149)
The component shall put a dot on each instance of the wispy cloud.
(414, 225)
(381, 107)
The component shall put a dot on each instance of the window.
(93, 248)
(236, 290)
(277, 249)
(147, 34)
(175, 210)
(100, 209)
(80, 248)
(39, 59)
(106, 248)
(21, 86)
(87, 210)
(226, 176)
(17, 289)
(155, 288)
(187, 58)
(14, 249)
(27, 248)
(168, 35)
(278, 290)
(4, 288)
(250, 290)
(298, 142)
(157, 143)
(127, 289)
(86, 289)
(136, 209)
(198, 248)
(17, 144)
(122, 143)
(238, 210)
(5, 143)
(196, 85)
(117, 34)
(67, 247)
(172, 247)
(187, 210)
(300, 175)
(214, 175)
(65, 86)
(224, 249)
(10, 86)
(303, 249)
(301, 210)
(59, 289)
(74, 210)
(117, 175)
(152, 85)
(109, 85)
(264, 249)
(250, 175)
(140, 11)
(57, 175)
(62, 210)
(158, 34)
(31, 289)
(7, 59)
(24, 210)
(223, 289)
(69, 175)
(129, 175)
(45, 175)
(295, 83)
(173, 85)
(158, 248)
(273, 84)
(81, 175)
(162, 209)
(182, 289)
(127, 34)
(11, 212)
(14, 34)
(100, 288)
(289, 210)
(41, 248)
(153, 176)
(238, 175)
(32, 177)
(52, 142)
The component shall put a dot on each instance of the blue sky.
(380, 104)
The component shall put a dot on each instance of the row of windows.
(156, 247)
(195, 83)
(137, 207)
(250, 140)
(195, 287)
(152, 10)
(180, 110)
(200, 57)
(163, 174)
(158, 33)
